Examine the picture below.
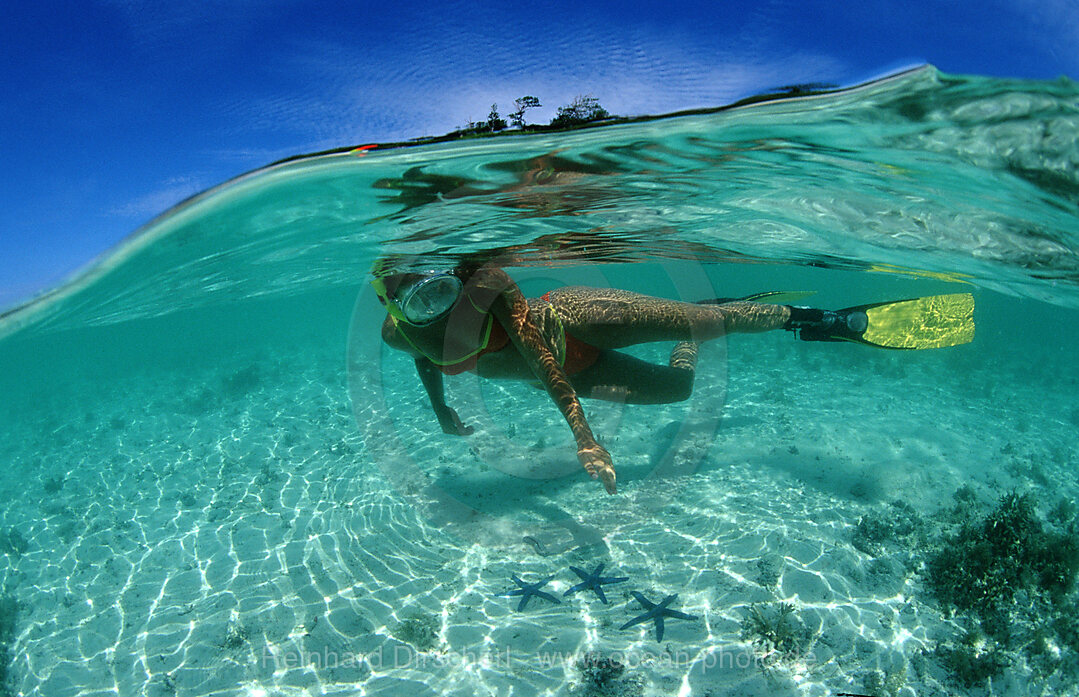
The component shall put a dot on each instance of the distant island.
(583, 112)
(585, 109)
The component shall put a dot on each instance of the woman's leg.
(609, 318)
(616, 377)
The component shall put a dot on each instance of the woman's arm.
(510, 308)
(431, 378)
(432, 382)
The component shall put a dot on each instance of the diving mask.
(422, 300)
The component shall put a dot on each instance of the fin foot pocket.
(932, 322)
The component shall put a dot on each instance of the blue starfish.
(527, 590)
(656, 613)
(593, 581)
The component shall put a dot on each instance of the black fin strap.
(808, 318)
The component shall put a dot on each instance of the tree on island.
(517, 118)
(582, 109)
(803, 88)
(494, 121)
(493, 124)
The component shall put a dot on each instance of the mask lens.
(430, 298)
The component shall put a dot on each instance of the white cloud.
(355, 95)
(170, 192)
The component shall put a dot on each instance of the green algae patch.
(989, 561)
(1008, 579)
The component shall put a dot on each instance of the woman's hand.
(597, 462)
(451, 423)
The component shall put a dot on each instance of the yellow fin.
(932, 322)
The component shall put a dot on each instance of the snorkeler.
(475, 318)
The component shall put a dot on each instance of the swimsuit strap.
(483, 344)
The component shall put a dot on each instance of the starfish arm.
(679, 615)
(598, 571)
(645, 602)
(659, 627)
(527, 590)
(579, 572)
(574, 589)
(599, 592)
(547, 596)
(668, 600)
(636, 620)
(613, 579)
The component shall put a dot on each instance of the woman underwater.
(475, 318)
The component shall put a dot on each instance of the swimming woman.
(475, 318)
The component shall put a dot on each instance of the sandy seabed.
(228, 533)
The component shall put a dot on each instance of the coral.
(419, 629)
(899, 524)
(777, 631)
(236, 635)
(1044, 655)
(1064, 513)
(886, 684)
(1066, 624)
(769, 570)
(988, 562)
(965, 497)
(603, 676)
(974, 660)
(1009, 575)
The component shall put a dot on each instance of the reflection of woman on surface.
(475, 318)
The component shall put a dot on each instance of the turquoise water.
(218, 481)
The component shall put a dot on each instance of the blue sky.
(113, 110)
